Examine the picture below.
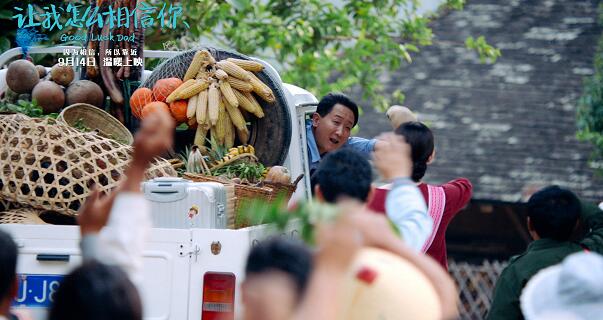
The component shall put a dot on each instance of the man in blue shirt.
(330, 127)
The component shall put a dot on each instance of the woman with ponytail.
(443, 201)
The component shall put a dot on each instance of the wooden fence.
(476, 286)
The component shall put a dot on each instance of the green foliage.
(243, 170)
(315, 44)
(485, 51)
(309, 214)
(28, 108)
(590, 105)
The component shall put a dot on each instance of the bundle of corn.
(52, 166)
(218, 96)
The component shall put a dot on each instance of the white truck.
(188, 273)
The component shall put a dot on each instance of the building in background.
(510, 127)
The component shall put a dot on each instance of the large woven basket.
(22, 216)
(245, 193)
(96, 120)
(52, 166)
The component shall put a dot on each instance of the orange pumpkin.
(164, 87)
(155, 106)
(178, 109)
(140, 98)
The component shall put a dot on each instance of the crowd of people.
(405, 221)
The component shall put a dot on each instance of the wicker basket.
(97, 120)
(285, 188)
(22, 216)
(49, 165)
(243, 193)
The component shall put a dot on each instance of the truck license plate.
(36, 290)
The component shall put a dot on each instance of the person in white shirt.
(346, 174)
(114, 229)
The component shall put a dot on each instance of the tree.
(590, 106)
(320, 46)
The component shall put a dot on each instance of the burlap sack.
(51, 166)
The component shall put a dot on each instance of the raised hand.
(393, 160)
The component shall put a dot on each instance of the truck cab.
(188, 273)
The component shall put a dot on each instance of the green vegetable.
(28, 108)
(243, 170)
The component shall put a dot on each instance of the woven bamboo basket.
(22, 216)
(245, 193)
(52, 166)
(96, 120)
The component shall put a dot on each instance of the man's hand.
(154, 137)
(393, 160)
(94, 213)
(339, 241)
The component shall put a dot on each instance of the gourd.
(278, 174)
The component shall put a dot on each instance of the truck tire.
(270, 135)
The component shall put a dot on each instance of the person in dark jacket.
(552, 217)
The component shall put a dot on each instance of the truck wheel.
(270, 135)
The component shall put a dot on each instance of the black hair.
(8, 263)
(421, 141)
(326, 104)
(554, 212)
(344, 172)
(281, 254)
(96, 291)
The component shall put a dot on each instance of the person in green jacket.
(552, 218)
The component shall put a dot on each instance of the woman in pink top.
(443, 201)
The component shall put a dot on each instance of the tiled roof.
(511, 124)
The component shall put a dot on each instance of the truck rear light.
(218, 296)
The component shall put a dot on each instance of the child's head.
(343, 173)
(8, 267)
(553, 213)
(421, 141)
(96, 291)
(276, 274)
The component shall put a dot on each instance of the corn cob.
(200, 135)
(244, 103)
(201, 108)
(193, 90)
(235, 115)
(248, 65)
(192, 107)
(221, 125)
(240, 84)
(175, 93)
(213, 103)
(243, 135)
(257, 108)
(228, 93)
(261, 88)
(195, 66)
(229, 136)
(207, 60)
(233, 70)
(221, 74)
(208, 57)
